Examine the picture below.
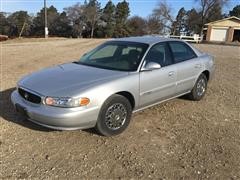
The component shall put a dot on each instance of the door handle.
(171, 73)
(198, 66)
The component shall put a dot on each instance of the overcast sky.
(137, 7)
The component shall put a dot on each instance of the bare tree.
(137, 26)
(92, 13)
(208, 9)
(153, 25)
(75, 14)
(163, 12)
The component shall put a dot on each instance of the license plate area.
(21, 110)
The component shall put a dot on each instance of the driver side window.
(160, 54)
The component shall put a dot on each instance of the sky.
(137, 7)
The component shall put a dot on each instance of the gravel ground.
(179, 139)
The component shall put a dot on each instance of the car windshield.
(115, 55)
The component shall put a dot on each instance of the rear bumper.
(55, 117)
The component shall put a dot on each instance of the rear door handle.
(198, 66)
(171, 73)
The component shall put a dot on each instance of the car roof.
(146, 39)
(151, 40)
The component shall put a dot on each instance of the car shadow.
(185, 97)
(8, 113)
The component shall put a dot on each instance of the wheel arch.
(207, 74)
(129, 96)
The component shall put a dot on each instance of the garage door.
(218, 35)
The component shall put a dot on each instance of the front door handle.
(171, 73)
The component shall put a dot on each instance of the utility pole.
(46, 27)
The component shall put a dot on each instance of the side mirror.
(151, 66)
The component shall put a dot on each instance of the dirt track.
(179, 139)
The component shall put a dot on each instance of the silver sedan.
(111, 82)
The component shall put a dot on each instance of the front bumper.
(55, 117)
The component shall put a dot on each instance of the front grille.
(29, 96)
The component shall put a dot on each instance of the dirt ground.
(179, 139)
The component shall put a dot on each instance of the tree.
(4, 24)
(193, 22)
(92, 13)
(108, 19)
(19, 23)
(76, 17)
(121, 15)
(38, 21)
(210, 10)
(52, 17)
(154, 26)
(235, 11)
(216, 13)
(62, 26)
(179, 24)
(163, 13)
(137, 26)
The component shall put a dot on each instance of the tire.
(199, 89)
(114, 116)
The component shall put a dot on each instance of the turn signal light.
(84, 101)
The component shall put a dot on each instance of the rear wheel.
(199, 88)
(114, 116)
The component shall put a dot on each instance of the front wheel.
(114, 116)
(199, 88)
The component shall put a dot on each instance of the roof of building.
(225, 19)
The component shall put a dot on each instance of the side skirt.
(160, 102)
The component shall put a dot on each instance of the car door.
(158, 84)
(188, 66)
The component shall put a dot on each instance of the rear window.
(181, 51)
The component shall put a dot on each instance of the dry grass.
(179, 139)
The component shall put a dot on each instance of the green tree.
(4, 24)
(137, 26)
(193, 22)
(179, 24)
(108, 19)
(39, 23)
(19, 23)
(121, 15)
(62, 26)
(235, 11)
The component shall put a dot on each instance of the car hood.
(62, 79)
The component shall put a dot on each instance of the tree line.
(90, 20)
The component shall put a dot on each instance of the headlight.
(66, 101)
